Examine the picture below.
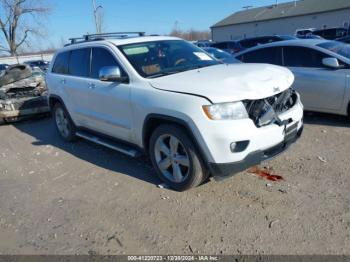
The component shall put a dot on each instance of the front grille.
(265, 111)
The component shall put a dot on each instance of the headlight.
(226, 111)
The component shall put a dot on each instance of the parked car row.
(234, 47)
(327, 33)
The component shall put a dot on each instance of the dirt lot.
(59, 198)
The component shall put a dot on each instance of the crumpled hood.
(229, 83)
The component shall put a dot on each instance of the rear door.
(75, 86)
(321, 88)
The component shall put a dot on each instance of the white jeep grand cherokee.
(194, 116)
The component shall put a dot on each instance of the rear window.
(61, 63)
(79, 62)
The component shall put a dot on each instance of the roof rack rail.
(103, 36)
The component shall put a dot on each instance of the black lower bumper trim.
(223, 171)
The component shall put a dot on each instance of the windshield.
(160, 58)
(337, 47)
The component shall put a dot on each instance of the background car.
(304, 31)
(3, 67)
(203, 43)
(231, 47)
(251, 42)
(221, 55)
(42, 64)
(321, 70)
(344, 39)
(331, 33)
(309, 36)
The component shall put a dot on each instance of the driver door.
(109, 102)
(321, 88)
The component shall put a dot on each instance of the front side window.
(79, 62)
(61, 63)
(160, 58)
(295, 56)
(101, 58)
(270, 55)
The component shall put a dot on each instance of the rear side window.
(101, 58)
(295, 56)
(271, 55)
(79, 63)
(61, 63)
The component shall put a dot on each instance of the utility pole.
(98, 22)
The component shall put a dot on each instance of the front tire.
(176, 159)
(64, 124)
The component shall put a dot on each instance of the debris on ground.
(322, 159)
(273, 222)
(163, 186)
(265, 173)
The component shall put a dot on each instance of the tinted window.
(302, 57)
(79, 62)
(100, 58)
(61, 63)
(271, 55)
(220, 45)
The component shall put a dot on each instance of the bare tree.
(19, 19)
(99, 17)
(191, 35)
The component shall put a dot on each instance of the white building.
(283, 19)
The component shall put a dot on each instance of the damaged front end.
(23, 98)
(266, 111)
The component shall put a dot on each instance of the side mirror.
(112, 74)
(331, 62)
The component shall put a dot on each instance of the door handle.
(63, 81)
(91, 85)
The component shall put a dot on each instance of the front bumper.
(25, 107)
(222, 171)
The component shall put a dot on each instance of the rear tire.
(176, 159)
(64, 123)
(2, 121)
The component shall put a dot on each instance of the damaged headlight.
(226, 111)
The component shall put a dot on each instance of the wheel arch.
(152, 121)
(53, 99)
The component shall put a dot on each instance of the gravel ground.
(59, 198)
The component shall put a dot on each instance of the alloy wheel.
(172, 158)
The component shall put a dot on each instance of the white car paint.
(120, 110)
(229, 82)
